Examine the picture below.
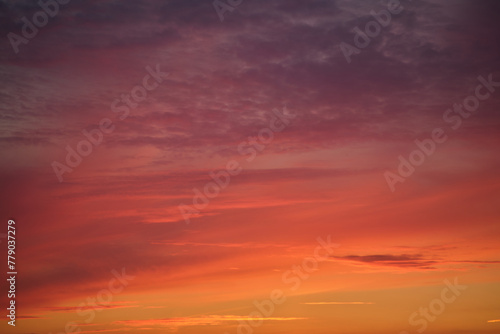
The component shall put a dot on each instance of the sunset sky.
(251, 158)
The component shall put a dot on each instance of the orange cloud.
(339, 303)
(198, 321)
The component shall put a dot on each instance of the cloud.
(338, 303)
(70, 309)
(212, 320)
(30, 317)
(404, 260)
(108, 330)
(224, 245)
(119, 207)
(411, 261)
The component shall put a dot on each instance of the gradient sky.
(323, 175)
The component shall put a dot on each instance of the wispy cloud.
(323, 173)
(66, 309)
(339, 303)
(107, 330)
(199, 321)
(412, 261)
(403, 260)
(26, 317)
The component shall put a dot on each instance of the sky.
(251, 166)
